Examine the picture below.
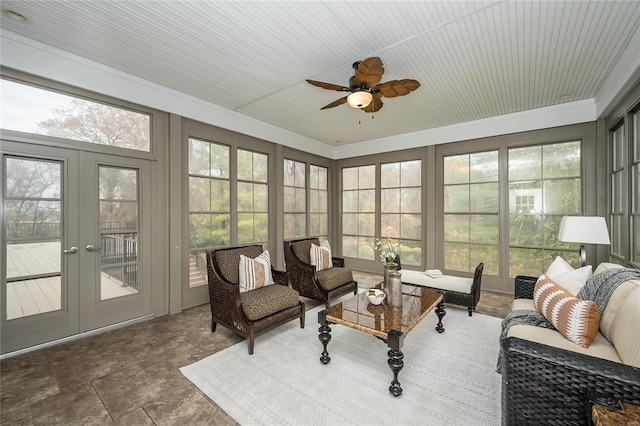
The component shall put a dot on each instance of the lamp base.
(583, 255)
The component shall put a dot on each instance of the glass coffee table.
(384, 322)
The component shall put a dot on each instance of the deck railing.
(33, 230)
(119, 259)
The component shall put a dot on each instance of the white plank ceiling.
(474, 59)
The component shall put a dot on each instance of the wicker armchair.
(546, 385)
(254, 312)
(325, 285)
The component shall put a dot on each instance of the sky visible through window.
(22, 107)
(30, 109)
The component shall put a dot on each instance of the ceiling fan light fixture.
(360, 99)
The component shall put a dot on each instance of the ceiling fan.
(365, 87)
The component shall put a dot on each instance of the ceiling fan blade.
(369, 71)
(329, 86)
(335, 103)
(394, 88)
(374, 106)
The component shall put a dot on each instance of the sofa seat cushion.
(624, 332)
(268, 300)
(600, 347)
(333, 278)
(523, 304)
(445, 282)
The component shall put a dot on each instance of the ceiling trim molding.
(624, 76)
(535, 119)
(33, 57)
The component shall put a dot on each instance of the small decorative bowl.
(375, 296)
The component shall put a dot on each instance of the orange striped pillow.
(575, 319)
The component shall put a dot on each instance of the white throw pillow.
(564, 275)
(321, 256)
(558, 266)
(255, 273)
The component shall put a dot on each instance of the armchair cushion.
(255, 273)
(268, 300)
(334, 277)
(302, 249)
(321, 256)
(227, 261)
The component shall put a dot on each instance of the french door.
(75, 242)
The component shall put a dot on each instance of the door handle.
(71, 250)
(92, 248)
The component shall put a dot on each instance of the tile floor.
(130, 376)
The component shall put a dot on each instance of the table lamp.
(584, 230)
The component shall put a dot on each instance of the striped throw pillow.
(575, 319)
(321, 256)
(255, 273)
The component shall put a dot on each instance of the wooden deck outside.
(40, 295)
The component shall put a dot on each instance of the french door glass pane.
(32, 204)
(119, 227)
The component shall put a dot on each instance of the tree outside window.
(400, 208)
(551, 174)
(358, 212)
(471, 212)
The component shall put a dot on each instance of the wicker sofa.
(549, 380)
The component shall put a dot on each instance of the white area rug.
(447, 379)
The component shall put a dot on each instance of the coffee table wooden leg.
(324, 336)
(440, 312)
(395, 361)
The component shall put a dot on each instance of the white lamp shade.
(359, 99)
(584, 229)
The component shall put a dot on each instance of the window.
(550, 175)
(471, 212)
(295, 201)
(618, 192)
(635, 188)
(624, 172)
(318, 201)
(33, 210)
(253, 197)
(298, 222)
(358, 211)
(400, 208)
(119, 228)
(209, 203)
(525, 203)
(30, 109)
